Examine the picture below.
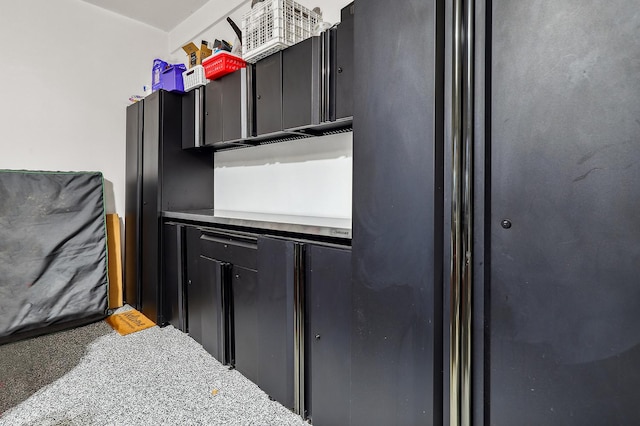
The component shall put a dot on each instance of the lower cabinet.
(328, 334)
(275, 308)
(276, 305)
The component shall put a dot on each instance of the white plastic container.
(273, 25)
(193, 77)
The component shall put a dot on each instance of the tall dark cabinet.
(160, 176)
(562, 230)
(542, 99)
(396, 322)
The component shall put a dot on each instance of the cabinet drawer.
(234, 249)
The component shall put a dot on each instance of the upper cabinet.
(342, 65)
(268, 90)
(304, 90)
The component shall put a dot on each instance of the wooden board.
(115, 261)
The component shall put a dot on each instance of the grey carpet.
(31, 364)
(158, 376)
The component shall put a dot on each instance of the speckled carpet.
(93, 376)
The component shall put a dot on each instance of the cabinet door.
(207, 323)
(301, 84)
(344, 64)
(150, 225)
(192, 260)
(173, 274)
(269, 94)
(213, 112)
(276, 280)
(565, 176)
(244, 288)
(133, 204)
(328, 341)
(232, 106)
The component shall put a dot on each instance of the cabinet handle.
(317, 337)
(189, 282)
(259, 96)
(339, 70)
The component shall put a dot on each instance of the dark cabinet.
(327, 334)
(166, 178)
(268, 94)
(226, 108)
(227, 269)
(342, 69)
(302, 84)
(252, 299)
(207, 297)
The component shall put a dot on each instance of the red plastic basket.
(221, 64)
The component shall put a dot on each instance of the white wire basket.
(273, 25)
(193, 77)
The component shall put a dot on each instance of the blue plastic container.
(171, 78)
(156, 72)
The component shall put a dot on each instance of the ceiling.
(162, 14)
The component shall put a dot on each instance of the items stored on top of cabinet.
(273, 25)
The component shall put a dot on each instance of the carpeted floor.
(93, 376)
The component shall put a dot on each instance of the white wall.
(305, 177)
(68, 70)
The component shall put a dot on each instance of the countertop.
(310, 225)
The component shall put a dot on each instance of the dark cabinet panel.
(328, 320)
(301, 74)
(207, 316)
(133, 203)
(343, 69)
(213, 112)
(232, 248)
(276, 266)
(244, 288)
(150, 220)
(268, 87)
(173, 275)
(193, 122)
(565, 172)
(232, 105)
(396, 328)
(192, 260)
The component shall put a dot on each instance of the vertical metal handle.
(199, 117)
(298, 330)
(461, 213)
